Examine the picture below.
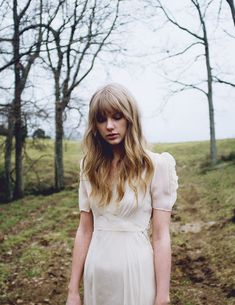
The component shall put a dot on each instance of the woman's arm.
(81, 245)
(162, 254)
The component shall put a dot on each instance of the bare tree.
(81, 31)
(24, 47)
(199, 38)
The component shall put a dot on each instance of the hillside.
(37, 232)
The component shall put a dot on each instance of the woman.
(123, 188)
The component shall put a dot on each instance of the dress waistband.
(116, 224)
(119, 229)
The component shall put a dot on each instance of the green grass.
(38, 159)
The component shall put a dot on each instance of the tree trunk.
(8, 151)
(213, 149)
(18, 192)
(59, 167)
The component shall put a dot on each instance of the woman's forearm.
(81, 245)
(162, 262)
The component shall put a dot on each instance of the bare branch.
(186, 86)
(176, 23)
(183, 51)
(22, 13)
(5, 39)
(229, 34)
(232, 8)
(219, 80)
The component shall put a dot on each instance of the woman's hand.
(74, 299)
(162, 301)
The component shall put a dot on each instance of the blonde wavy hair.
(135, 166)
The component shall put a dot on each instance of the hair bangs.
(105, 102)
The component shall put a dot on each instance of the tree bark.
(213, 149)
(8, 150)
(18, 192)
(59, 166)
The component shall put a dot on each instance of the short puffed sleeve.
(164, 183)
(83, 199)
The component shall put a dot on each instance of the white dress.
(119, 267)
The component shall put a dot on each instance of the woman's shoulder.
(163, 157)
(83, 176)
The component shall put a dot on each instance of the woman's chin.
(114, 141)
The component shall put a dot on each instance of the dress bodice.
(130, 215)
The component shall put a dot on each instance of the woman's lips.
(112, 136)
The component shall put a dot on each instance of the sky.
(184, 116)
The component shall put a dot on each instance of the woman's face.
(112, 127)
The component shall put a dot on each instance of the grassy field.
(37, 232)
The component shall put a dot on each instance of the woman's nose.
(110, 124)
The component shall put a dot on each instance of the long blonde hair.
(98, 153)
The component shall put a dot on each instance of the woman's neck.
(117, 152)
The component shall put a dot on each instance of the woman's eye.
(117, 116)
(100, 119)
